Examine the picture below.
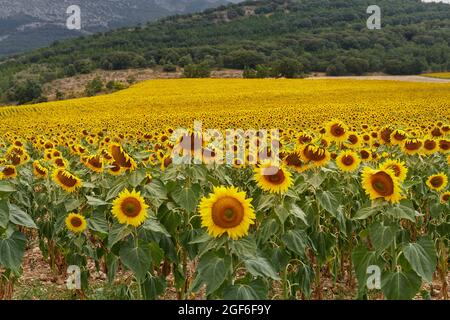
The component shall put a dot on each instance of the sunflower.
(336, 131)
(38, 170)
(273, 178)
(122, 158)
(381, 184)
(397, 136)
(430, 146)
(130, 208)
(399, 168)
(437, 182)
(445, 197)
(411, 146)
(9, 172)
(354, 140)
(76, 223)
(318, 155)
(294, 161)
(348, 161)
(66, 180)
(365, 154)
(94, 162)
(227, 210)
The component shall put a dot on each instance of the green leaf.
(95, 202)
(4, 214)
(154, 225)
(156, 189)
(366, 212)
(259, 266)
(298, 212)
(97, 222)
(402, 212)
(255, 290)
(244, 247)
(136, 258)
(212, 270)
(136, 177)
(282, 213)
(152, 287)
(328, 201)
(296, 241)
(12, 250)
(157, 254)
(400, 285)
(381, 236)
(115, 190)
(20, 217)
(422, 257)
(7, 187)
(187, 197)
(362, 259)
(72, 204)
(117, 233)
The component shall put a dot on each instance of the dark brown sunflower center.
(396, 169)
(437, 181)
(76, 222)
(9, 171)
(227, 212)
(364, 154)
(131, 207)
(353, 139)
(336, 130)
(446, 197)
(430, 144)
(444, 145)
(41, 171)
(66, 179)
(167, 162)
(386, 135)
(383, 184)
(274, 178)
(294, 160)
(398, 136)
(413, 145)
(348, 160)
(95, 162)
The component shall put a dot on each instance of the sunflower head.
(130, 208)
(445, 197)
(336, 131)
(227, 210)
(39, 170)
(9, 172)
(348, 161)
(273, 178)
(76, 223)
(399, 168)
(66, 180)
(381, 184)
(437, 182)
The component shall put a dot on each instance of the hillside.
(26, 25)
(305, 36)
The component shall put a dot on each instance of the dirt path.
(391, 78)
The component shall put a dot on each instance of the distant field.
(439, 75)
(224, 103)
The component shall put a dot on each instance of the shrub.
(201, 70)
(93, 87)
(28, 91)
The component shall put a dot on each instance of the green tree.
(94, 86)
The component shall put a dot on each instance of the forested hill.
(311, 35)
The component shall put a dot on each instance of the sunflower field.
(362, 185)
